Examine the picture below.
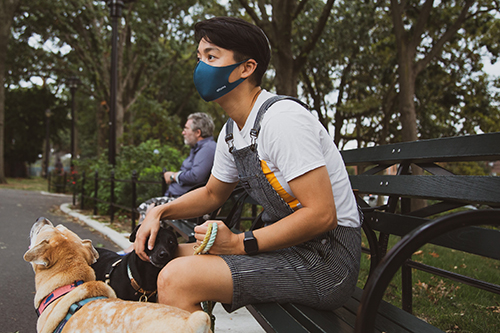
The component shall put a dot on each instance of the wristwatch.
(172, 178)
(250, 243)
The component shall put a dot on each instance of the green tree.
(152, 38)
(8, 9)
(290, 45)
(422, 31)
(25, 135)
(357, 51)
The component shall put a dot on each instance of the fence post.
(74, 181)
(64, 183)
(83, 190)
(134, 196)
(96, 189)
(163, 183)
(112, 207)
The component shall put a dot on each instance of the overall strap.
(254, 132)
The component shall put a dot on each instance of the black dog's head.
(164, 249)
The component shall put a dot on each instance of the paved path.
(18, 212)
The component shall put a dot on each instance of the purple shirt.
(195, 169)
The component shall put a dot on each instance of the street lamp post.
(47, 141)
(115, 8)
(73, 85)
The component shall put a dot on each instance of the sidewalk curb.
(118, 238)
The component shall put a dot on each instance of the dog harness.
(73, 309)
(60, 292)
(55, 295)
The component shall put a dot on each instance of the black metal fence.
(57, 182)
(112, 201)
(79, 189)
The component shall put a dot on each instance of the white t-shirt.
(292, 142)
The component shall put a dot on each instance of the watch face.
(250, 243)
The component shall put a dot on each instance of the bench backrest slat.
(483, 147)
(475, 240)
(469, 189)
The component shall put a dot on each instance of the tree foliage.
(25, 114)
(348, 59)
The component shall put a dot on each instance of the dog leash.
(203, 248)
(108, 275)
(73, 309)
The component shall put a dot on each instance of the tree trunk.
(282, 58)
(286, 80)
(102, 120)
(279, 29)
(7, 11)
(406, 80)
(407, 96)
(120, 111)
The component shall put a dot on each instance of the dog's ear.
(91, 254)
(38, 254)
(134, 233)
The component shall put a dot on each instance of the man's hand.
(167, 176)
(147, 233)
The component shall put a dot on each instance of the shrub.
(148, 160)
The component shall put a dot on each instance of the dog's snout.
(42, 221)
(37, 226)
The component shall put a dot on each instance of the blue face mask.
(213, 82)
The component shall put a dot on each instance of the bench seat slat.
(470, 189)
(483, 147)
(274, 318)
(323, 321)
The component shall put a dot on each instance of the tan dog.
(65, 283)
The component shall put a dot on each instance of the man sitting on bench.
(195, 170)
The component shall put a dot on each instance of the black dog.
(130, 277)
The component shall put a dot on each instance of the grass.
(28, 184)
(446, 304)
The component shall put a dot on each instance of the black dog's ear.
(134, 233)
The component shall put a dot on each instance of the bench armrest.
(395, 258)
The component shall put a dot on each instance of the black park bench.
(457, 208)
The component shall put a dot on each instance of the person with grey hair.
(195, 170)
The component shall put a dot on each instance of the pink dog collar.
(56, 294)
